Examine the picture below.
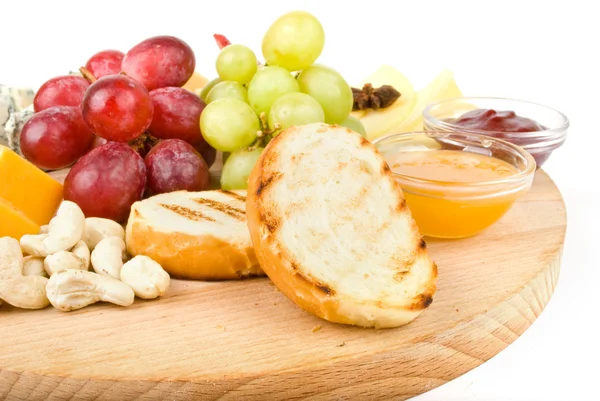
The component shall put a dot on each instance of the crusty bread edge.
(314, 297)
(190, 257)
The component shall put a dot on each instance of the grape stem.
(265, 134)
(140, 143)
(87, 74)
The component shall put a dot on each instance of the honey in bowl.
(457, 185)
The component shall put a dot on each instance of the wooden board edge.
(446, 355)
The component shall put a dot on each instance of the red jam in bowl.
(536, 128)
(498, 121)
(504, 125)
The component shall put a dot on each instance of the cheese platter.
(233, 340)
(271, 233)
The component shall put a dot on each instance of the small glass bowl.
(439, 116)
(447, 209)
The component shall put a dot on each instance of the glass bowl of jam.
(457, 184)
(538, 129)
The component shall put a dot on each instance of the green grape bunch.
(251, 102)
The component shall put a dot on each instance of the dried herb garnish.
(374, 98)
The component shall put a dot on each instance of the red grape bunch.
(126, 127)
(129, 128)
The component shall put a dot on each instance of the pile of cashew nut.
(56, 267)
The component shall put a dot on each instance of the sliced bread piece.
(332, 230)
(194, 235)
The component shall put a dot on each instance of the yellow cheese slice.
(29, 197)
(13, 223)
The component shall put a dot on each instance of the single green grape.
(355, 125)
(330, 89)
(207, 88)
(227, 89)
(238, 167)
(267, 85)
(236, 63)
(229, 124)
(294, 41)
(295, 109)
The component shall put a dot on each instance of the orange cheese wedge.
(28, 196)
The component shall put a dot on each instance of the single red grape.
(174, 165)
(55, 138)
(209, 154)
(176, 114)
(117, 108)
(160, 61)
(105, 62)
(107, 181)
(66, 90)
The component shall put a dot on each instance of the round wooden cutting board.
(244, 340)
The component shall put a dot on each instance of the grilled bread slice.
(194, 235)
(331, 229)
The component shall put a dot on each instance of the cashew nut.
(146, 277)
(108, 257)
(33, 266)
(77, 259)
(64, 230)
(27, 292)
(97, 229)
(69, 290)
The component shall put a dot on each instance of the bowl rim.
(557, 132)
(521, 178)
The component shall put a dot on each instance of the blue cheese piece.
(20, 98)
(13, 127)
(6, 109)
(16, 106)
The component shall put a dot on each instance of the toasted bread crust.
(292, 275)
(194, 257)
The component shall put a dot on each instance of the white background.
(543, 51)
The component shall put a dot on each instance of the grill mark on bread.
(399, 276)
(270, 221)
(364, 142)
(190, 214)
(266, 181)
(401, 206)
(421, 301)
(385, 169)
(223, 208)
(231, 194)
(324, 288)
(327, 290)
(269, 159)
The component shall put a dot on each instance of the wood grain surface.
(244, 340)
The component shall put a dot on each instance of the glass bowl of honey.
(536, 128)
(457, 184)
